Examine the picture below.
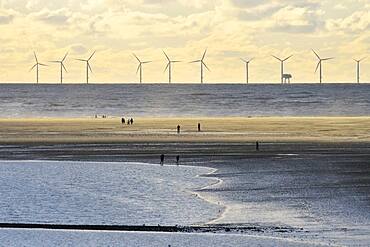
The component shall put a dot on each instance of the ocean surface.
(163, 100)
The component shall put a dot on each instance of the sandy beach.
(110, 130)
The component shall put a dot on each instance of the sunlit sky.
(230, 29)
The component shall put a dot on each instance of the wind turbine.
(319, 64)
(140, 67)
(169, 67)
(246, 68)
(62, 67)
(282, 66)
(37, 67)
(358, 68)
(88, 67)
(201, 61)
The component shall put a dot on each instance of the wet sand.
(110, 130)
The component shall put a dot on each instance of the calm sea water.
(29, 100)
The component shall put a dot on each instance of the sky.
(230, 29)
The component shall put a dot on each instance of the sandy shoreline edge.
(228, 129)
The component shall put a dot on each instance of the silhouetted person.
(257, 146)
(178, 129)
(132, 121)
(162, 159)
(177, 159)
(199, 127)
(123, 121)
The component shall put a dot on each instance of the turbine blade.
(288, 57)
(245, 61)
(83, 60)
(33, 67)
(166, 56)
(64, 68)
(205, 65)
(204, 54)
(250, 60)
(54, 61)
(316, 54)
(277, 58)
(168, 65)
(329, 58)
(138, 67)
(146, 62)
(317, 67)
(176, 61)
(362, 59)
(43, 64)
(196, 61)
(34, 53)
(88, 65)
(65, 56)
(91, 56)
(136, 57)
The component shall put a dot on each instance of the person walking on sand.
(178, 129)
(132, 121)
(199, 127)
(123, 121)
(162, 159)
(257, 146)
(177, 159)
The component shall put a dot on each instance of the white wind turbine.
(202, 63)
(62, 67)
(319, 64)
(140, 67)
(37, 64)
(169, 67)
(88, 67)
(247, 68)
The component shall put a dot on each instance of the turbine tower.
(358, 68)
(246, 68)
(169, 67)
(319, 64)
(37, 67)
(282, 66)
(62, 67)
(201, 61)
(88, 67)
(140, 67)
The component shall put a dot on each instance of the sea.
(183, 100)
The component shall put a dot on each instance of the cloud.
(356, 22)
(295, 19)
(56, 17)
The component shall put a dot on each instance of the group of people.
(129, 121)
(177, 159)
(102, 116)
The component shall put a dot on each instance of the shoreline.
(226, 129)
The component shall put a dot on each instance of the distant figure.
(128, 121)
(177, 159)
(199, 127)
(162, 159)
(123, 121)
(132, 121)
(257, 146)
(96, 116)
(178, 129)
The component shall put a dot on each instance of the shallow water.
(30, 100)
(124, 193)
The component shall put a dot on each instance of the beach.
(309, 176)
(230, 129)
